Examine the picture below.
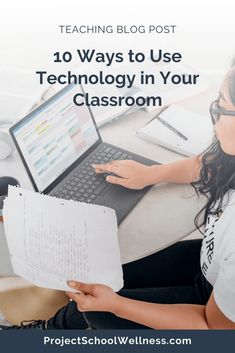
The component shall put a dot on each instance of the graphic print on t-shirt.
(208, 243)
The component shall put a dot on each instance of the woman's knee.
(98, 320)
(105, 320)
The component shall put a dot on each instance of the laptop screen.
(54, 136)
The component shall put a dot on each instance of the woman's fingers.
(93, 297)
(106, 168)
(127, 173)
(116, 180)
(102, 168)
(112, 167)
(82, 287)
(85, 297)
(71, 295)
(80, 299)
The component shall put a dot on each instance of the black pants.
(170, 276)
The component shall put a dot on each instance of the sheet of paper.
(52, 240)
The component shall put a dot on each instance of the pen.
(172, 128)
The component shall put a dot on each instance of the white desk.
(166, 213)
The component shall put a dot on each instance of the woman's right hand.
(128, 173)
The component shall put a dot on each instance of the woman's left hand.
(93, 297)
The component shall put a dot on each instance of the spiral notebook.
(52, 240)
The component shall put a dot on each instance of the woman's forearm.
(162, 316)
(184, 171)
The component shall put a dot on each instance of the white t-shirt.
(218, 256)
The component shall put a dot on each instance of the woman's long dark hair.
(217, 175)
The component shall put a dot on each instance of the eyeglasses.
(216, 111)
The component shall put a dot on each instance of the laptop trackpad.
(118, 195)
(121, 199)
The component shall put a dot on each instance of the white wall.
(205, 29)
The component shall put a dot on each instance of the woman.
(196, 287)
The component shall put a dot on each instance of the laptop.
(59, 141)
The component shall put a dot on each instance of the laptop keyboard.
(83, 184)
